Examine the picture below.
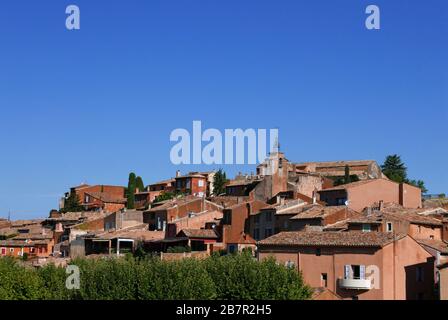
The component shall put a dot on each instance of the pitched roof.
(168, 204)
(22, 243)
(241, 182)
(200, 233)
(340, 163)
(331, 239)
(319, 211)
(438, 245)
(290, 206)
(163, 182)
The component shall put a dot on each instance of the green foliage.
(347, 174)
(419, 184)
(149, 278)
(442, 196)
(396, 171)
(131, 191)
(341, 180)
(394, 168)
(178, 249)
(72, 204)
(168, 196)
(139, 184)
(219, 183)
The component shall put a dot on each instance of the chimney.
(314, 197)
(278, 199)
(369, 211)
(381, 205)
(177, 173)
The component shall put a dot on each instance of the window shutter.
(347, 271)
(362, 272)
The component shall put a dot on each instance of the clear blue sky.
(92, 105)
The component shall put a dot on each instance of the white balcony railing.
(356, 284)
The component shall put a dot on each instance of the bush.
(149, 278)
(178, 249)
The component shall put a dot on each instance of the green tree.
(347, 174)
(396, 171)
(139, 184)
(72, 204)
(394, 168)
(131, 191)
(219, 183)
(419, 184)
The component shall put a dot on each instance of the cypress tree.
(347, 178)
(131, 191)
(139, 184)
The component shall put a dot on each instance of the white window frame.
(389, 224)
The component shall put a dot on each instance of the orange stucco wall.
(396, 262)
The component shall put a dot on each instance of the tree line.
(228, 277)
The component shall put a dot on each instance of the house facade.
(356, 265)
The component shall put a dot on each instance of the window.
(87, 199)
(324, 280)
(268, 216)
(355, 272)
(389, 227)
(268, 232)
(420, 274)
(318, 252)
(366, 227)
(431, 237)
(200, 183)
(341, 201)
(257, 234)
(289, 264)
(3, 251)
(257, 218)
(11, 250)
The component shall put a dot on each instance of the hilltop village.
(352, 232)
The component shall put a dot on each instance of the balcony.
(355, 284)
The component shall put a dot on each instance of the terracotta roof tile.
(319, 211)
(438, 245)
(200, 233)
(331, 239)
